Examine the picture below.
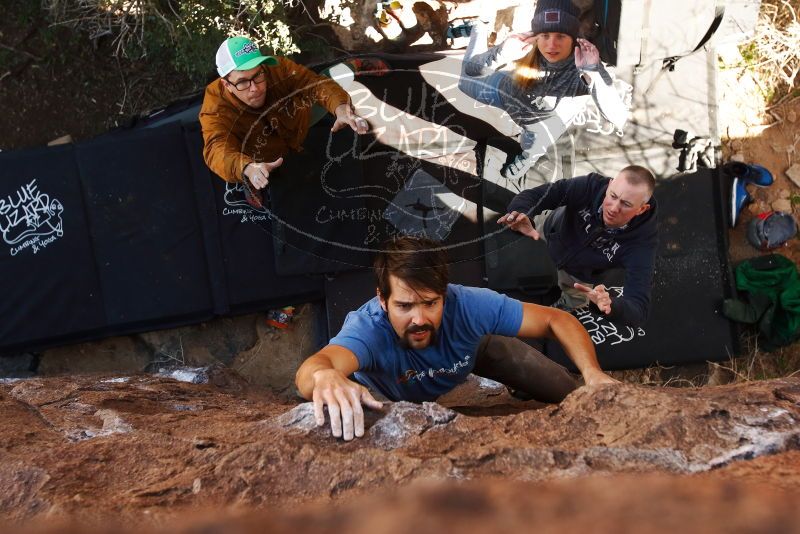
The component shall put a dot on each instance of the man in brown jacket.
(260, 108)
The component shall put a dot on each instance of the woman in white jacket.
(554, 70)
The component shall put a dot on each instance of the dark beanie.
(556, 16)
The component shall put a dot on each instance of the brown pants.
(521, 367)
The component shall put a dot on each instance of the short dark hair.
(418, 261)
(636, 175)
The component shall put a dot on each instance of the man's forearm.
(304, 379)
(569, 332)
(632, 308)
(331, 100)
(331, 357)
(233, 166)
(534, 201)
(527, 201)
(327, 92)
(225, 161)
(628, 311)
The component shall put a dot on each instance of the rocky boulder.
(143, 449)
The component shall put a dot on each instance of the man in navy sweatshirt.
(591, 224)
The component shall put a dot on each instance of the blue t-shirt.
(423, 375)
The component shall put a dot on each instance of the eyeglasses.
(244, 84)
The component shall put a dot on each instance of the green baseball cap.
(240, 53)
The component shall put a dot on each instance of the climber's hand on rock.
(344, 399)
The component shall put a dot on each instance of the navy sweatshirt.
(580, 244)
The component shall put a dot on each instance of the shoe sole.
(735, 208)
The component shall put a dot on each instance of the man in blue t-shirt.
(421, 336)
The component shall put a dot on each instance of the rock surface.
(782, 204)
(644, 504)
(149, 448)
(793, 173)
(268, 357)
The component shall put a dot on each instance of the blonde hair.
(527, 71)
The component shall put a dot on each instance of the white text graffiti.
(29, 216)
(601, 331)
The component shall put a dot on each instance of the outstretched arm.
(328, 94)
(542, 321)
(345, 116)
(222, 151)
(478, 61)
(587, 59)
(480, 77)
(534, 201)
(519, 222)
(633, 307)
(322, 378)
(598, 295)
(322, 90)
(258, 173)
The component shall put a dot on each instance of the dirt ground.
(754, 131)
(775, 147)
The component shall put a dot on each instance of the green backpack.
(772, 299)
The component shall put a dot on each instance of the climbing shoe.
(739, 199)
(750, 173)
(517, 168)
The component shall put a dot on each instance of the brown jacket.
(235, 134)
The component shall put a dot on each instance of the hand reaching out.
(346, 117)
(596, 377)
(344, 399)
(518, 45)
(586, 54)
(258, 173)
(520, 223)
(598, 295)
